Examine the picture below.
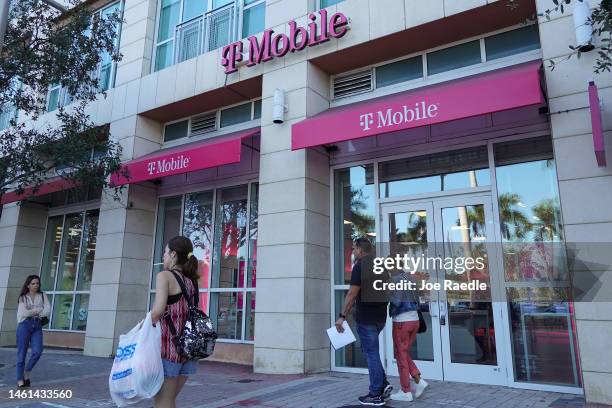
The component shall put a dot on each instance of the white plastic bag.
(137, 371)
(149, 371)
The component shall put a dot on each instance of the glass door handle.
(442, 314)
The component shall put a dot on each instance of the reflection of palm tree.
(415, 232)
(476, 219)
(548, 215)
(363, 223)
(510, 216)
(198, 221)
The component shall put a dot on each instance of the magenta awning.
(489, 92)
(185, 158)
(50, 186)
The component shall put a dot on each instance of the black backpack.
(197, 339)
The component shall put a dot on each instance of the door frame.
(442, 368)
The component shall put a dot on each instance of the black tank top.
(174, 298)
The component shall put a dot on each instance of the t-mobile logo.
(366, 120)
(393, 117)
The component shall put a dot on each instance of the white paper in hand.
(339, 340)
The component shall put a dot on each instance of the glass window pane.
(169, 17)
(164, 56)
(254, 20)
(530, 212)
(407, 234)
(250, 316)
(70, 251)
(53, 102)
(530, 216)
(470, 313)
(237, 114)
(176, 130)
(62, 306)
(105, 75)
(455, 57)
(466, 168)
(252, 267)
(81, 307)
(219, 3)
(198, 227)
(512, 42)
(327, 3)
(355, 215)
(226, 314)
(257, 109)
(193, 8)
(204, 302)
(351, 355)
(543, 336)
(88, 250)
(51, 253)
(399, 71)
(229, 262)
(168, 226)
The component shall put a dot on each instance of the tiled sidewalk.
(219, 385)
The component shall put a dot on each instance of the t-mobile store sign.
(494, 91)
(319, 31)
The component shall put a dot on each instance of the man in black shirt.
(370, 315)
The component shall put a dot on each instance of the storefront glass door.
(449, 242)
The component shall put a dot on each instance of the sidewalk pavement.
(219, 385)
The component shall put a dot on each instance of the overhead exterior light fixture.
(279, 108)
(583, 26)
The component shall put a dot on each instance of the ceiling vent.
(352, 84)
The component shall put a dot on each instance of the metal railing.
(207, 32)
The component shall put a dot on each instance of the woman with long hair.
(33, 305)
(179, 264)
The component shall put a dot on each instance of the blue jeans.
(29, 334)
(368, 336)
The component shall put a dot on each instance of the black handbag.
(44, 320)
(197, 339)
(422, 324)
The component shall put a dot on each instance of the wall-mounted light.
(279, 108)
(583, 26)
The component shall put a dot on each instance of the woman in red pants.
(403, 310)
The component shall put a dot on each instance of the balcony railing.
(207, 32)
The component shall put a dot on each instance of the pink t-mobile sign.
(318, 31)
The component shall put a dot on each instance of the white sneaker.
(419, 388)
(402, 396)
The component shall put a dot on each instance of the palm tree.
(510, 216)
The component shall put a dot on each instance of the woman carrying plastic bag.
(137, 371)
(171, 310)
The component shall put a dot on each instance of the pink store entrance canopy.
(185, 158)
(50, 186)
(489, 92)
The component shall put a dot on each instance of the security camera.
(278, 107)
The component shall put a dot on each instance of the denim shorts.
(172, 369)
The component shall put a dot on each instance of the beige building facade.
(272, 226)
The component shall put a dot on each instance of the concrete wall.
(22, 236)
(586, 220)
(293, 277)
